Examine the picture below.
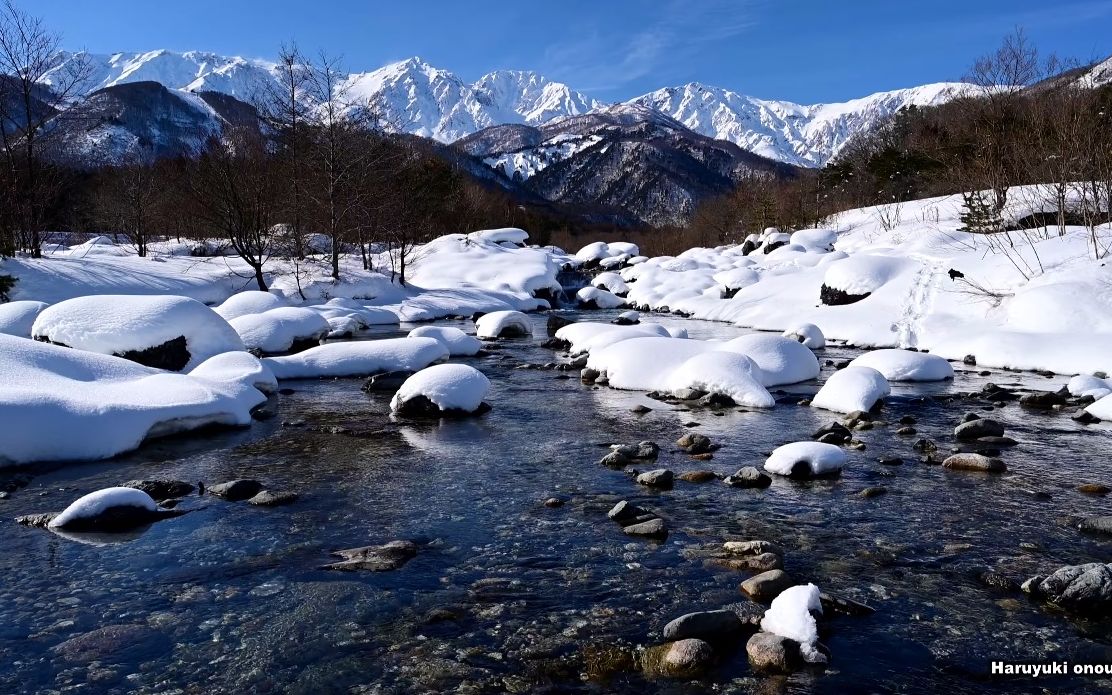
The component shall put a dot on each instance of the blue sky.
(803, 50)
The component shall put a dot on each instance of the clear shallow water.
(510, 596)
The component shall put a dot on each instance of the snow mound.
(249, 302)
(600, 250)
(790, 616)
(595, 298)
(278, 330)
(726, 373)
(1102, 408)
(815, 240)
(906, 365)
(494, 264)
(737, 278)
(1088, 385)
(808, 334)
(240, 367)
(806, 459)
(585, 336)
(782, 360)
(58, 404)
(97, 503)
(851, 389)
(611, 282)
(458, 343)
(862, 273)
(123, 325)
(358, 358)
(451, 387)
(500, 324)
(506, 236)
(17, 318)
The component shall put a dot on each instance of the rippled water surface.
(507, 595)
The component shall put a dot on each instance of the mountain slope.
(798, 134)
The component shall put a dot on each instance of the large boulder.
(1083, 588)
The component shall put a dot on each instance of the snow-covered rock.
(17, 318)
(278, 330)
(806, 460)
(1101, 408)
(808, 334)
(611, 282)
(594, 298)
(791, 615)
(503, 324)
(249, 302)
(457, 261)
(240, 367)
(358, 358)
(861, 274)
(586, 336)
(60, 404)
(449, 388)
(166, 331)
(506, 236)
(459, 344)
(113, 508)
(851, 389)
(628, 318)
(724, 373)
(782, 360)
(906, 365)
(1088, 385)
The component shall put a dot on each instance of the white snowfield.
(459, 344)
(17, 318)
(906, 365)
(94, 504)
(503, 324)
(61, 404)
(448, 386)
(851, 389)
(819, 458)
(116, 324)
(358, 358)
(276, 330)
(790, 615)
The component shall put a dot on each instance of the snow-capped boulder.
(17, 318)
(815, 240)
(249, 302)
(108, 510)
(443, 390)
(806, 460)
(592, 254)
(611, 282)
(782, 360)
(792, 615)
(457, 261)
(852, 389)
(164, 331)
(281, 330)
(852, 279)
(459, 344)
(808, 334)
(511, 237)
(1101, 408)
(627, 318)
(358, 358)
(586, 336)
(1088, 385)
(906, 365)
(240, 367)
(59, 404)
(503, 324)
(727, 374)
(594, 298)
(735, 279)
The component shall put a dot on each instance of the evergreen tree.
(978, 215)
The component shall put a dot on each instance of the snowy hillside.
(797, 134)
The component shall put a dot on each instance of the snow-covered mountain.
(804, 135)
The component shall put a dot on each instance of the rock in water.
(748, 477)
(653, 528)
(974, 462)
(236, 490)
(686, 658)
(160, 490)
(766, 586)
(1097, 524)
(375, 558)
(981, 427)
(705, 625)
(1084, 588)
(659, 478)
(269, 498)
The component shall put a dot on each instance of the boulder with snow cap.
(806, 460)
(851, 390)
(808, 334)
(503, 324)
(285, 329)
(906, 365)
(110, 510)
(443, 390)
(459, 344)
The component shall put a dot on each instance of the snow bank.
(451, 387)
(358, 358)
(59, 404)
(97, 503)
(808, 334)
(806, 459)
(906, 365)
(501, 324)
(120, 324)
(790, 616)
(458, 343)
(851, 389)
(17, 318)
(509, 236)
(277, 330)
(242, 367)
(862, 274)
(593, 297)
(727, 373)
(585, 336)
(249, 302)
(782, 360)
(1087, 385)
(821, 240)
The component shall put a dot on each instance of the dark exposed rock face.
(556, 322)
(375, 558)
(387, 382)
(833, 297)
(160, 490)
(172, 355)
(1085, 588)
(422, 407)
(236, 490)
